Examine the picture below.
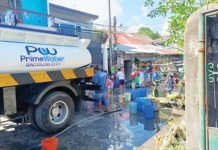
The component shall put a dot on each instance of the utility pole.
(115, 31)
(110, 36)
(114, 54)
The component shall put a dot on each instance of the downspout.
(201, 81)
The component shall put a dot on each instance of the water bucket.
(133, 85)
(127, 96)
(133, 108)
(146, 101)
(139, 104)
(50, 144)
(149, 112)
(140, 92)
(149, 124)
(142, 102)
(133, 120)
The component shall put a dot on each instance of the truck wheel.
(31, 116)
(54, 112)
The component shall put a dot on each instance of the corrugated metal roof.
(165, 51)
(131, 48)
(129, 44)
(127, 39)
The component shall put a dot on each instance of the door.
(211, 58)
(128, 69)
(15, 4)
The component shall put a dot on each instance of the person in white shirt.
(121, 77)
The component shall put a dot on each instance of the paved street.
(112, 131)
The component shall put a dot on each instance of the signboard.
(212, 70)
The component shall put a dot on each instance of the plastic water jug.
(140, 92)
(133, 108)
(133, 120)
(142, 102)
(149, 112)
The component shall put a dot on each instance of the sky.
(130, 13)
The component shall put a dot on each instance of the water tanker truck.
(40, 75)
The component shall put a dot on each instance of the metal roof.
(147, 59)
(70, 14)
(127, 43)
(130, 48)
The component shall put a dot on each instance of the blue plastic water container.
(140, 92)
(133, 108)
(149, 124)
(149, 112)
(142, 102)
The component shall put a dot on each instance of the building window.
(15, 4)
(78, 29)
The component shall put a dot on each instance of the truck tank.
(21, 57)
(26, 57)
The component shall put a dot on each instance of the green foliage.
(147, 31)
(179, 12)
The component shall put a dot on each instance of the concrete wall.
(3, 3)
(191, 74)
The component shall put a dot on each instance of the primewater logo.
(41, 56)
(43, 51)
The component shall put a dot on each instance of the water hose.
(92, 117)
(76, 123)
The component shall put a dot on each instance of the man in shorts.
(100, 78)
(121, 78)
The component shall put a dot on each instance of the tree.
(147, 31)
(179, 12)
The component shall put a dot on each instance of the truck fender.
(62, 85)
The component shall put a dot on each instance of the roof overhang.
(146, 49)
(134, 49)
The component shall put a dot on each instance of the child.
(170, 84)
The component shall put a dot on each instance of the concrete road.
(115, 131)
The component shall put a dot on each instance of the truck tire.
(54, 112)
(31, 116)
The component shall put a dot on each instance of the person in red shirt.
(110, 86)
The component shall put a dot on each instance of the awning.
(168, 68)
(164, 51)
(147, 59)
(128, 43)
(130, 48)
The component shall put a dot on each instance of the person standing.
(110, 87)
(121, 78)
(149, 70)
(170, 84)
(100, 78)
